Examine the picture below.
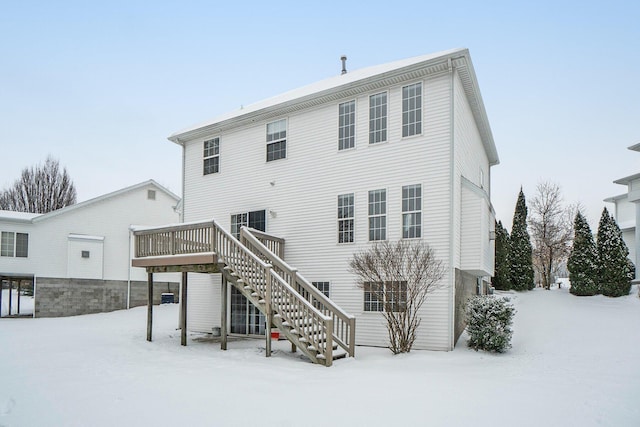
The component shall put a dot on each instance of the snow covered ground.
(26, 303)
(574, 362)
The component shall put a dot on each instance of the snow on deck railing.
(343, 323)
(255, 272)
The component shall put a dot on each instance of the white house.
(627, 213)
(79, 257)
(396, 151)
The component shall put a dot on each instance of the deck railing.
(344, 325)
(279, 296)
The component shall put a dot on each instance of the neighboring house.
(397, 151)
(78, 257)
(627, 213)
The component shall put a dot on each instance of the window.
(395, 294)
(151, 194)
(7, 244)
(277, 140)
(347, 125)
(390, 296)
(322, 287)
(255, 219)
(411, 211)
(14, 244)
(237, 222)
(85, 254)
(412, 110)
(378, 118)
(22, 245)
(377, 215)
(371, 300)
(345, 218)
(211, 163)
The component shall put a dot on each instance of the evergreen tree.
(501, 279)
(521, 251)
(583, 260)
(612, 253)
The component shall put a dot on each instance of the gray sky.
(100, 85)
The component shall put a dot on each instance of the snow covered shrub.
(489, 320)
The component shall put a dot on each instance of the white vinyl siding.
(346, 125)
(302, 200)
(412, 110)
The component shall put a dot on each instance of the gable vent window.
(151, 194)
(277, 140)
(85, 254)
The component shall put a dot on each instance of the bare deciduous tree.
(551, 231)
(396, 278)
(40, 189)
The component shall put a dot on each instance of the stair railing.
(343, 324)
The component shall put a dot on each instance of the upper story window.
(412, 110)
(14, 244)
(211, 162)
(377, 215)
(277, 140)
(347, 125)
(345, 218)
(411, 211)
(378, 118)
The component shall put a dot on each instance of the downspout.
(452, 289)
(181, 219)
(129, 271)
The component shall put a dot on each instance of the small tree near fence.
(396, 279)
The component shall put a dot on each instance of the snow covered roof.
(18, 216)
(627, 179)
(614, 199)
(352, 83)
(31, 217)
(635, 147)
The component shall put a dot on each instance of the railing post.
(172, 242)
(328, 350)
(352, 337)
(268, 312)
(294, 278)
(214, 237)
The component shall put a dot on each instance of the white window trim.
(338, 219)
(205, 158)
(386, 216)
(421, 110)
(421, 211)
(355, 126)
(386, 140)
(275, 141)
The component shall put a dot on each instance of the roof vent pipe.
(343, 58)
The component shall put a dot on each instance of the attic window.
(85, 254)
(151, 194)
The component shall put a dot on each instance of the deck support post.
(223, 310)
(149, 305)
(183, 312)
(268, 314)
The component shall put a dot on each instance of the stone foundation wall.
(56, 297)
(465, 287)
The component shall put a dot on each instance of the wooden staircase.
(254, 265)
